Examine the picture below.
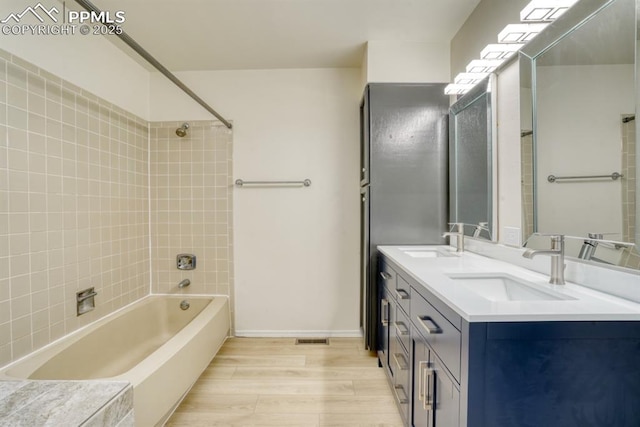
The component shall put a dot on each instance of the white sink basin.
(504, 287)
(426, 252)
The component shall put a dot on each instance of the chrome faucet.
(480, 227)
(557, 258)
(589, 246)
(459, 233)
(184, 283)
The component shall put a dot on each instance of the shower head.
(182, 130)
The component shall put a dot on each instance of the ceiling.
(262, 34)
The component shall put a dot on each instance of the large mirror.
(579, 135)
(471, 160)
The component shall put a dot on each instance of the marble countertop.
(582, 303)
(65, 403)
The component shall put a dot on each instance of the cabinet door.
(444, 394)
(436, 397)
(421, 416)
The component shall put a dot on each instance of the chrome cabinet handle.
(421, 388)
(402, 366)
(429, 325)
(384, 310)
(399, 389)
(401, 328)
(385, 276)
(430, 386)
(402, 294)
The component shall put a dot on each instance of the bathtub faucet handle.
(184, 283)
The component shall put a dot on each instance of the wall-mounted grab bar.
(242, 183)
(153, 61)
(614, 176)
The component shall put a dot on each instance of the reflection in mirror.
(578, 157)
(471, 162)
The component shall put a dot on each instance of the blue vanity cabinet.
(506, 374)
(552, 374)
(400, 362)
(436, 395)
(436, 346)
(395, 336)
(386, 305)
(383, 328)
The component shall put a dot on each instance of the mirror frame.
(580, 13)
(486, 87)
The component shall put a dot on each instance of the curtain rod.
(149, 58)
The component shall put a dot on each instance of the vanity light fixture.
(469, 78)
(483, 65)
(520, 33)
(545, 10)
(500, 50)
(457, 89)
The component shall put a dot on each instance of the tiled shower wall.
(191, 200)
(526, 142)
(631, 257)
(73, 206)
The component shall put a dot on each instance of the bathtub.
(153, 344)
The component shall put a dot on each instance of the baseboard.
(297, 334)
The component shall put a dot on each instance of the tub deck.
(68, 403)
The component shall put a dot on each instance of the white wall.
(407, 62)
(296, 249)
(89, 61)
(579, 133)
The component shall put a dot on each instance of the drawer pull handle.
(429, 325)
(402, 294)
(401, 328)
(402, 400)
(385, 276)
(384, 311)
(402, 366)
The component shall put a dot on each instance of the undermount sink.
(421, 252)
(504, 287)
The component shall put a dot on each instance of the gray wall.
(482, 28)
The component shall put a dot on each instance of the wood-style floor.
(273, 382)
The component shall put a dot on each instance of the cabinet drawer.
(386, 276)
(400, 362)
(403, 294)
(402, 328)
(441, 335)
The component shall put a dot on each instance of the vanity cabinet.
(395, 336)
(447, 372)
(436, 395)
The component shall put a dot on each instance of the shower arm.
(150, 59)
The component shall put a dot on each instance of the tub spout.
(184, 283)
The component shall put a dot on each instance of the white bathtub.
(154, 344)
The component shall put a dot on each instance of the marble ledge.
(68, 403)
